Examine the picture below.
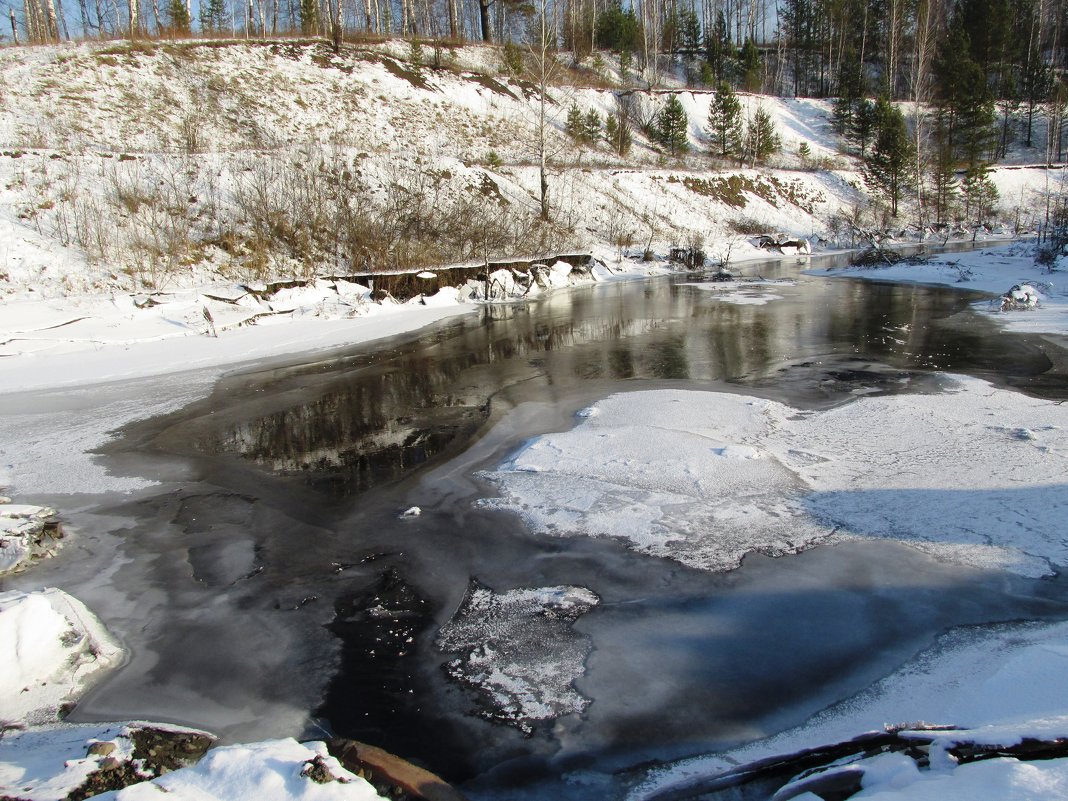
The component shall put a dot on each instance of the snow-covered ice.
(973, 476)
(518, 651)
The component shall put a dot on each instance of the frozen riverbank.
(996, 270)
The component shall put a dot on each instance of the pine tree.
(617, 129)
(750, 66)
(574, 124)
(725, 121)
(309, 17)
(863, 124)
(761, 138)
(179, 16)
(718, 50)
(689, 33)
(850, 91)
(1037, 80)
(804, 153)
(944, 182)
(963, 95)
(671, 126)
(980, 193)
(214, 16)
(618, 30)
(591, 127)
(886, 168)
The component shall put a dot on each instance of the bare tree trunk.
(52, 29)
(335, 26)
(925, 42)
(546, 64)
(484, 19)
(14, 28)
(134, 18)
(63, 22)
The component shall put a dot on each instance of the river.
(269, 585)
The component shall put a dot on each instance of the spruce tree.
(591, 127)
(725, 121)
(886, 167)
(671, 126)
(574, 124)
(179, 16)
(214, 16)
(761, 139)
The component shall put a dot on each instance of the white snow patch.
(50, 647)
(996, 685)
(267, 770)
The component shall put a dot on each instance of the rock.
(1021, 297)
(318, 771)
(100, 749)
(391, 776)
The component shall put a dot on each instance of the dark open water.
(270, 588)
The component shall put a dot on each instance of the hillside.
(176, 166)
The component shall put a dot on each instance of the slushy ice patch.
(518, 652)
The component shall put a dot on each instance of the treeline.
(919, 50)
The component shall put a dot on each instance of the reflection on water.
(351, 423)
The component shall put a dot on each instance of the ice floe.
(705, 478)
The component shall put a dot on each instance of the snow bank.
(26, 532)
(49, 764)
(890, 777)
(50, 647)
(280, 770)
(993, 686)
(974, 476)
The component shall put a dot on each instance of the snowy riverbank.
(996, 270)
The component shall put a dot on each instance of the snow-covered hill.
(185, 168)
(139, 166)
